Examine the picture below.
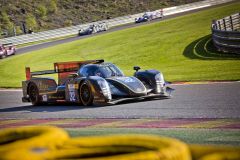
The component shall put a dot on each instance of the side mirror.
(72, 75)
(136, 68)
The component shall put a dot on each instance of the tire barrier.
(226, 34)
(35, 138)
(213, 152)
(50, 143)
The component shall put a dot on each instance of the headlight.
(105, 88)
(159, 78)
(159, 83)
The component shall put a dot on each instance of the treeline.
(26, 16)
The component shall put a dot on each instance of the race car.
(10, 49)
(144, 18)
(7, 50)
(92, 82)
(3, 52)
(148, 16)
(93, 28)
(86, 31)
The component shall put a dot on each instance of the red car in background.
(7, 50)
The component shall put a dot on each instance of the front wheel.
(33, 94)
(85, 94)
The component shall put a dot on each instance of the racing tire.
(33, 93)
(85, 94)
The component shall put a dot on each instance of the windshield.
(108, 70)
(103, 70)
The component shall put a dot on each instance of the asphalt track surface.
(219, 100)
(130, 25)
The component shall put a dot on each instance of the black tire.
(33, 94)
(85, 94)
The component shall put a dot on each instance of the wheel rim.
(85, 94)
(33, 94)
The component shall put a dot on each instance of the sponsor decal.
(44, 98)
(55, 97)
(71, 89)
(126, 79)
(72, 96)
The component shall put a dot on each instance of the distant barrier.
(226, 34)
(73, 30)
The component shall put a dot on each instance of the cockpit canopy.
(104, 70)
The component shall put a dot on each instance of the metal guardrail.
(226, 34)
(73, 30)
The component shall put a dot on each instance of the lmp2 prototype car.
(93, 28)
(92, 82)
(7, 50)
(148, 16)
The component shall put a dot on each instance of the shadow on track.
(67, 106)
(47, 108)
(204, 49)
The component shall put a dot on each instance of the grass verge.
(175, 46)
(194, 136)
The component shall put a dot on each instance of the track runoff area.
(198, 113)
(184, 122)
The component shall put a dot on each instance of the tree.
(31, 22)
(67, 23)
(52, 7)
(41, 11)
(5, 21)
(1, 33)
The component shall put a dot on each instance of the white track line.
(197, 83)
(10, 90)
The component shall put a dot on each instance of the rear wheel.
(33, 94)
(85, 94)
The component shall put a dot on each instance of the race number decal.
(128, 79)
(44, 98)
(72, 96)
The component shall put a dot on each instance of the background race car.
(93, 28)
(7, 50)
(3, 52)
(92, 82)
(148, 16)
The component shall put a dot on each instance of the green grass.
(195, 136)
(181, 48)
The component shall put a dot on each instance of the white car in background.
(148, 16)
(3, 52)
(93, 28)
(7, 50)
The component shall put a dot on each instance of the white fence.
(73, 30)
(226, 34)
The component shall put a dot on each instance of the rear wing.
(63, 69)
